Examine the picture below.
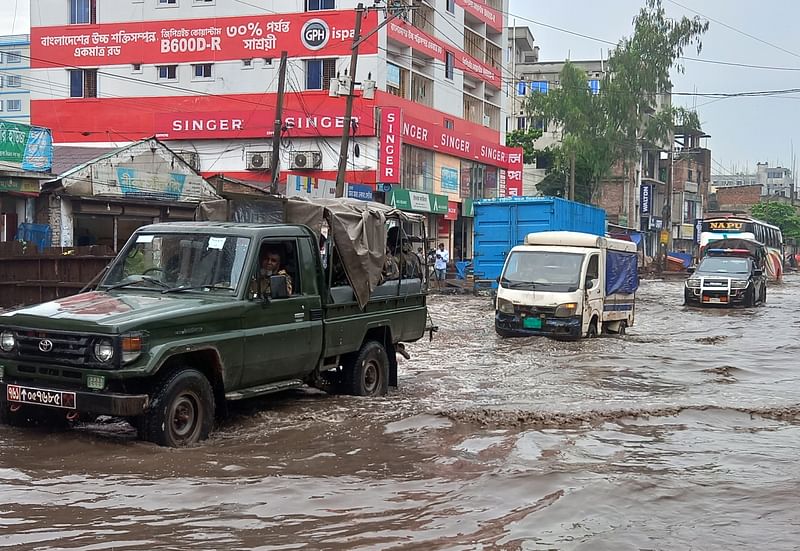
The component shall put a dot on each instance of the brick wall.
(738, 196)
(611, 198)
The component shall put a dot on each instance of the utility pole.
(572, 176)
(348, 108)
(276, 135)
(395, 10)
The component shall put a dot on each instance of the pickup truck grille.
(63, 348)
(535, 310)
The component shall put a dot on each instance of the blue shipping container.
(501, 224)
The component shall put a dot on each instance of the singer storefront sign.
(390, 146)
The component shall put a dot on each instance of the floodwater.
(681, 435)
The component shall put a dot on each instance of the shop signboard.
(305, 186)
(645, 202)
(449, 180)
(29, 146)
(406, 199)
(514, 173)
(359, 191)
(482, 11)
(21, 185)
(452, 211)
(390, 146)
(262, 35)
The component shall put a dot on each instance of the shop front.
(433, 206)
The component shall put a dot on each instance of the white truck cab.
(567, 285)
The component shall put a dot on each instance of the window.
(451, 6)
(594, 86)
(539, 86)
(521, 121)
(167, 72)
(247, 63)
(521, 87)
(13, 56)
(592, 272)
(449, 63)
(316, 5)
(279, 257)
(203, 2)
(689, 175)
(82, 12)
(136, 68)
(168, 2)
(417, 173)
(448, 123)
(13, 105)
(201, 70)
(267, 62)
(319, 73)
(13, 81)
(83, 83)
(1, 105)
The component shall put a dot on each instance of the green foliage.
(782, 215)
(601, 130)
(524, 139)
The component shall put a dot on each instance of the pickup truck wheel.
(181, 412)
(368, 373)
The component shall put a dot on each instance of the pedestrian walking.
(440, 265)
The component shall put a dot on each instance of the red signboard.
(409, 35)
(445, 140)
(390, 146)
(202, 40)
(484, 12)
(514, 172)
(452, 211)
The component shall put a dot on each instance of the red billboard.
(390, 146)
(409, 35)
(514, 172)
(200, 40)
(481, 10)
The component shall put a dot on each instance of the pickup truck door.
(283, 336)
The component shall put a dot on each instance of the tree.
(782, 215)
(606, 127)
(526, 140)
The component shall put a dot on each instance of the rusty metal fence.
(30, 276)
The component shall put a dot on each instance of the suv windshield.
(174, 261)
(543, 270)
(724, 265)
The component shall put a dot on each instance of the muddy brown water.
(681, 435)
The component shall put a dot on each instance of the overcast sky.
(744, 130)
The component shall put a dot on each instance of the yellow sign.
(726, 225)
(664, 238)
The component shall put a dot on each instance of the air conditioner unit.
(306, 160)
(258, 160)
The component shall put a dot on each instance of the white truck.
(567, 285)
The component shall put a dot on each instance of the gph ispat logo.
(315, 34)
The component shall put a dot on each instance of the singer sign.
(391, 144)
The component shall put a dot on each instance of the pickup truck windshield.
(200, 263)
(543, 270)
(724, 265)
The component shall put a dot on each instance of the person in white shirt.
(440, 265)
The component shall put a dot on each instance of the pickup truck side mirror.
(278, 287)
(690, 270)
(758, 272)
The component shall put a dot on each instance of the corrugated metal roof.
(68, 157)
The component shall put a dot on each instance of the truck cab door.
(280, 333)
(593, 292)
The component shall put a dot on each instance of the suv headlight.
(7, 341)
(505, 306)
(566, 310)
(693, 283)
(103, 350)
(739, 284)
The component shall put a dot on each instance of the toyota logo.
(314, 34)
(45, 345)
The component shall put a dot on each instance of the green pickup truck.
(186, 319)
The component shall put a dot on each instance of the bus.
(745, 227)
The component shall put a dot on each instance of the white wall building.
(15, 78)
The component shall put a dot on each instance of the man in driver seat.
(271, 264)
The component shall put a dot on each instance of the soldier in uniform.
(271, 264)
(400, 247)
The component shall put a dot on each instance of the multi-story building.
(774, 181)
(202, 75)
(15, 78)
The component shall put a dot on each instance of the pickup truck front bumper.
(100, 403)
(513, 325)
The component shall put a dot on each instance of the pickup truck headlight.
(566, 310)
(505, 306)
(693, 283)
(739, 284)
(7, 341)
(103, 350)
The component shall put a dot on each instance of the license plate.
(532, 323)
(40, 397)
(715, 300)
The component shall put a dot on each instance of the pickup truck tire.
(368, 373)
(181, 412)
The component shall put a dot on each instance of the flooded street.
(681, 435)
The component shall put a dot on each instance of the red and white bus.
(745, 227)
